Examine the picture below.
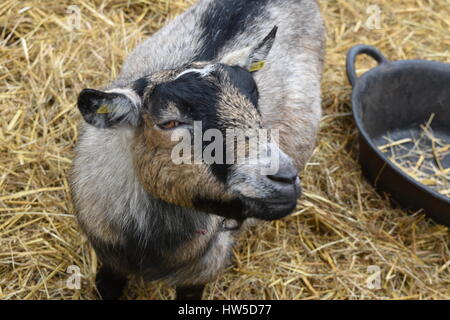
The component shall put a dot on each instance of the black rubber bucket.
(393, 100)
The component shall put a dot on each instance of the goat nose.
(285, 175)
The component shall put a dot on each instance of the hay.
(324, 251)
(421, 157)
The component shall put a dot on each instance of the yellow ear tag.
(103, 110)
(257, 66)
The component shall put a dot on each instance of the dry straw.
(324, 251)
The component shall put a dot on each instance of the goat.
(231, 64)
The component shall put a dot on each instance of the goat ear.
(106, 109)
(252, 58)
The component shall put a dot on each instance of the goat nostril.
(286, 179)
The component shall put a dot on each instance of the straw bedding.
(327, 250)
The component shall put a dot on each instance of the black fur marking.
(223, 20)
(220, 171)
(244, 81)
(194, 96)
(90, 100)
(233, 209)
(140, 86)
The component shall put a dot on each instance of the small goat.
(222, 63)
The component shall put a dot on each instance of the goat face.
(205, 110)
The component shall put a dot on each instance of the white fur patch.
(206, 71)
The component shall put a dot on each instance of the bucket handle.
(355, 52)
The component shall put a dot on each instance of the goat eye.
(170, 125)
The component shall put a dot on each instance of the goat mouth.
(267, 210)
(274, 208)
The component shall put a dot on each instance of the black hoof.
(190, 293)
(110, 284)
